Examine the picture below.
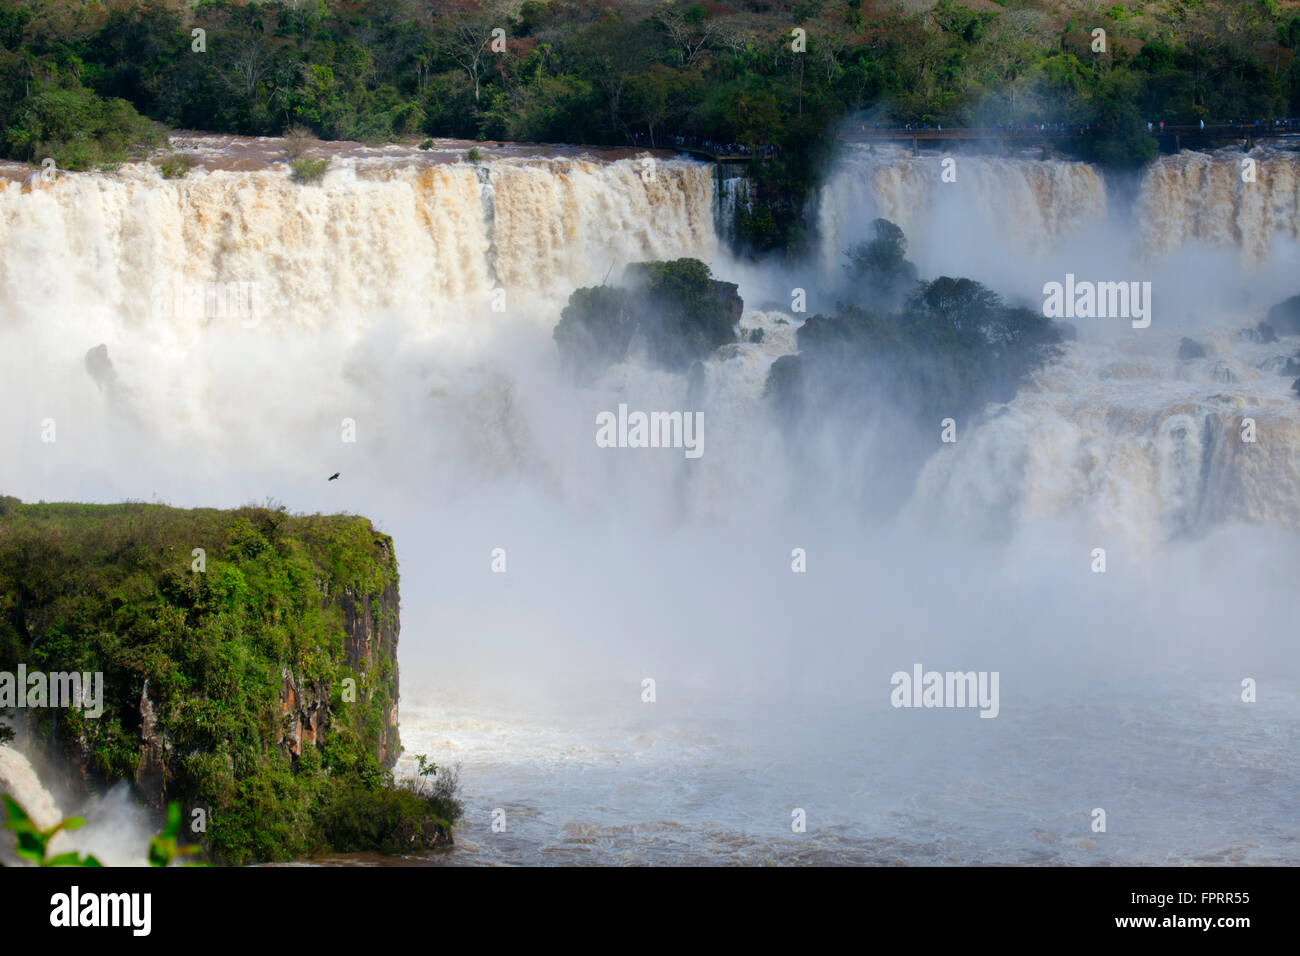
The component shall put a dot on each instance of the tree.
(611, 53)
(962, 304)
(690, 31)
(829, 45)
(657, 94)
(881, 265)
(466, 37)
(594, 330)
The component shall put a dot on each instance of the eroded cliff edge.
(248, 660)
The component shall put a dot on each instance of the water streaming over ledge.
(413, 239)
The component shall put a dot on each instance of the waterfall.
(386, 271)
(734, 193)
(19, 781)
(418, 240)
(200, 340)
(1121, 433)
(1148, 446)
(998, 210)
(1208, 198)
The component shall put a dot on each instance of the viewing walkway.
(1179, 135)
(1174, 136)
(714, 155)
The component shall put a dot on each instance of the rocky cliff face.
(370, 627)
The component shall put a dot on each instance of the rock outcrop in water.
(1285, 316)
(249, 662)
(675, 312)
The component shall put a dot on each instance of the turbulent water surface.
(415, 294)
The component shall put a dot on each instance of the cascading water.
(415, 240)
(1121, 430)
(998, 214)
(997, 209)
(19, 780)
(734, 195)
(114, 830)
(1214, 199)
(1146, 444)
(375, 295)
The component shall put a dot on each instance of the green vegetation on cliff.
(254, 679)
(75, 79)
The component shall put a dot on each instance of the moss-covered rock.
(249, 658)
(685, 313)
(1285, 316)
(676, 311)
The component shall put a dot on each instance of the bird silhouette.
(333, 476)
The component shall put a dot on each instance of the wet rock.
(1222, 373)
(100, 367)
(1262, 333)
(1190, 349)
(1285, 316)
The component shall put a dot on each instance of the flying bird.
(333, 476)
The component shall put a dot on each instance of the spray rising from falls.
(432, 287)
(1130, 432)
(993, 212)
(115, 830)
(376, 306)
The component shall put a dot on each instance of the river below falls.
(1187, 775)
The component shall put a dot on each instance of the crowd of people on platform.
(670, 140)
(1081, 129)
(1155, 127)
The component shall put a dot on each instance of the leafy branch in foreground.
(33, 842)
(163, 848)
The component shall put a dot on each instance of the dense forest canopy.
(81, 79)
